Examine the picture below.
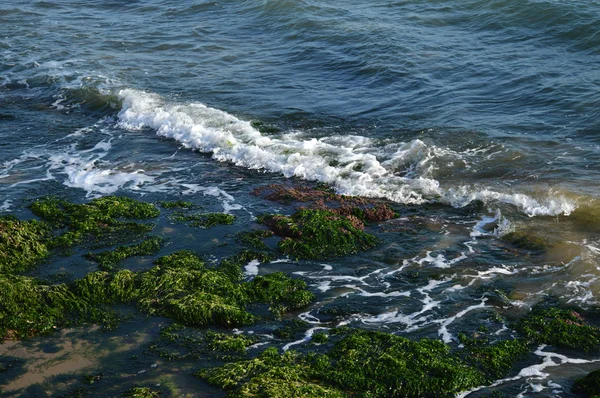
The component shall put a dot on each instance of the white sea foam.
(307, 337)
(443, 331)
(6, 205)
(536, 372)
(251, 269)
(354, 165)
(82, 171)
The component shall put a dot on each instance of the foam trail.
(307, 337)
(551, 359)
(354, 165)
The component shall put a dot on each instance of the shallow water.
(476, 118)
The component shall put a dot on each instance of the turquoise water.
(475, 117)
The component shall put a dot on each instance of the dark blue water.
(424, 103)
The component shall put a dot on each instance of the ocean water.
(475, 117)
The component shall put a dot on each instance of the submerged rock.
(588, 386)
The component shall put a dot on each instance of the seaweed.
(318, 234)
(527, 240)
(363, 363)
(176, 204)
(23, 244)
(497, 359)
(98, 222)
(280, 291)
(142, 392)
(232, 265)
(589, 385)
(561, 328)
(178, 342)
(178, 286)
(206, 220)
(254, 239)
(107, 260)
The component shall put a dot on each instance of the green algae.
(561, 328)
(184, 289)
(206, 220)
(588, 386)
(232, 265)
(29, 307)
(283, 293)
(497, 359)
(109, 259)
(319, 338)
(527, 240)
(363, 363)
(142, 392)
(254, 239)
(176, 204)
(179, 342)
(178, 286)
(22, 244)
(291, 329)
(98, 222)
(318, 234)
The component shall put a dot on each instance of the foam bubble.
(251, 269)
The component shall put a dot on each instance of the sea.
(474, 118)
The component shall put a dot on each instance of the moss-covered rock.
(361, 364)
(561, 328)
(22, 244)
(588, 386)
(318, 234)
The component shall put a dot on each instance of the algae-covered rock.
(142, 392)
(363, 363)
(232, 265)
(181, 287)
(254, 239)
(205, 220)
(588, 386)
(22, 244)
(528, 240)
(281, 290)
(109, 259)
(561, 328)
(178, 286)
(176, 204)
(102, 220)
(29, 307)
(497, 359)
(181, 342)
(203, 308)
(318, 234)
